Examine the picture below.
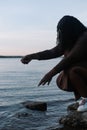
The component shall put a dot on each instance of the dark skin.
(76, 54)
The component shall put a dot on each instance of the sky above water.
(28, 26)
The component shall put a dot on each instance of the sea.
(18, 84)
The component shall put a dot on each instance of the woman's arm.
(51, 53)
(44, 55)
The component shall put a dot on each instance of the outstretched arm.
(44, 55)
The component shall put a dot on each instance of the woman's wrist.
(53, 72)
(35, 56)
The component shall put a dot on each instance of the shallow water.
(18, 83)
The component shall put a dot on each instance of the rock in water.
(40, 106)
(73, 107)
(74, 120)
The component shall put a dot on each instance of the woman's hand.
(46, 79)
(26, 59)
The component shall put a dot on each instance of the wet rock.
(73, 107)
(68, 128)
(22, 114)
(74, 120)
(40, 106)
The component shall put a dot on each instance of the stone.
(73, 107)
(22, 114)
(74, 120)
(40, 106)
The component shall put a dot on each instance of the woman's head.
(69, 29)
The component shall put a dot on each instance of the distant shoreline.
(10, 56)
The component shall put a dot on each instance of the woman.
(72, 43)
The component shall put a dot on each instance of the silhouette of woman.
(72, 69)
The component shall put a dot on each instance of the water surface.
(19, 83)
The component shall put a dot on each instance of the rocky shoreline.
(73, 120)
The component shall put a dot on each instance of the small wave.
(61, 101)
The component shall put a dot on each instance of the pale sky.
(28, 26)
